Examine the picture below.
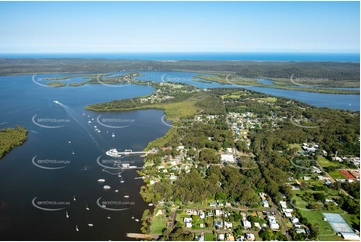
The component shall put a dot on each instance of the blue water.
(297, 56)
(22, 181)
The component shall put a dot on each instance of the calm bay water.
(23, 182)
(23, 101)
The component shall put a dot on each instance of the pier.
(142, 236)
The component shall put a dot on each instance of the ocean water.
(247, 56)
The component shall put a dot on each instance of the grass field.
(269, 99)
(298, 146)
(208, 237)
(326, 232)
(326, 163)
(158, 223)
(336, 174)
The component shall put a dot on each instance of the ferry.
(106, 187)
(113, 153)
(101, 180)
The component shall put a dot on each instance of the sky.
(102, 27)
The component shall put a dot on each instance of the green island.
(57, 78)
(10, 138)
(242, 165)
(323, 86)
(98, 79)
(56, 84)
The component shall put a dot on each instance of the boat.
(136, 220)
(89, 122)
(150, 204)
(95, 126)
(126, 196)
(74, 198)
(108, 217)
(86, 206)
(76, 228)
(116, 190)
(113, 153)
(98, 131)
(104, 206)
(56, 102)
(66, 214)
(83, 113)
(107, 131)
(90, 225)
(106, 187)
(101, 180)
(119, 175)
(113, 135)
(92, 118)
(73, 152)
(69, 141)
(132, 217)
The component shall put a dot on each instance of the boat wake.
(78, 120)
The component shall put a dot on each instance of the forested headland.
(10, 138)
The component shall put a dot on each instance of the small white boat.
(56, 102)
(113, 135)
(116, 190)
(150, 204)
(109, 217)
(136, 220)
(90, 225)
(126, 196)
(133, 217)
(89, 122)
(73, 152)
(76, 228)
(66, 214)
(69, 141)
(92, 118)
(74, 198)
(98, 131)
(106, 187)
(101, 180)
(104, 206)
(95, 126)
(119, 175)
(86, 206)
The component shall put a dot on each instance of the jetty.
(143, 236)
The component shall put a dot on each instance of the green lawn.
(326, 163)
(209, 236)
(158, 223)
(336, 174)
(298, 146)
(269, 99)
